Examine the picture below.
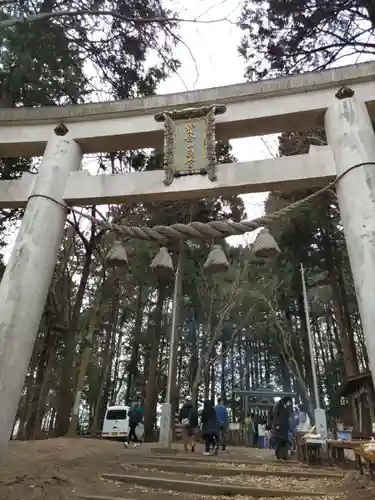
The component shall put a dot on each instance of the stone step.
(87, 496)
(224, 458)
(205, 470)
(208, 488)
(158, 495)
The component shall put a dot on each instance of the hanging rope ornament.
(116, 257)
(216, 261)
(265, 245)
(162, 262)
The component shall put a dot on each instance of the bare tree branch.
(92, 12)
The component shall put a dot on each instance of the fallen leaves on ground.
(58, 469)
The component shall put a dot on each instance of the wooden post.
(27, 278)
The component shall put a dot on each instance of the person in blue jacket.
(222, 419)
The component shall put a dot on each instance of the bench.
(312, 450)
(308, 449)
(365, 459)
(336, 449)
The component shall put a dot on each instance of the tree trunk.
(65, 401)
(93, 324)
(133, 363)
(44, 391)
(24, 405)
(213, 382)
(39, 378)
(107, 361)
(223, 364)
(151, 385)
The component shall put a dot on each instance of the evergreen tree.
(292, 36)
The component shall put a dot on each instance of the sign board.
(234, 426)
(189, 141)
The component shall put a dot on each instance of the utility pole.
(320, 416)
(166, 419)
(310, 337)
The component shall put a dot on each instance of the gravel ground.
(158, 494)
(274, 467)
(285, 483)
(59, 469)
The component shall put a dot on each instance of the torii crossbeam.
(286, 104)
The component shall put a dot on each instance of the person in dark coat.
(188, 418)
(135, 418)
(210, 427)
(281, 427)
(255, 420)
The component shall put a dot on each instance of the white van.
(116, 423)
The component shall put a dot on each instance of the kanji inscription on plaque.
(189, 142)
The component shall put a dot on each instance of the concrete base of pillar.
(165, 436)
(321, 422)
(320, 418)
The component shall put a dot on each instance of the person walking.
(281, 427)
(210, 428)
(135, 418)
(222, 419)
(188, 418)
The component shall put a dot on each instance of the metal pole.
(310, 337)
(174, 329)
(165, 437)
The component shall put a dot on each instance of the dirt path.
(55, 468)
(59, 469)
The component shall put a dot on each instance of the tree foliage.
(105, 334)
(282, 37)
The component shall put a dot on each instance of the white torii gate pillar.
(26, 281)
(351, 136)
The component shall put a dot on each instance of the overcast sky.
(210, 59)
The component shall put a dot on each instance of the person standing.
(304, 423)
(262, 433)
(135, 418)
(210, 428)
(222, 419)
(254, 419)
(249, 430)
(271, 443)
(188, 418)
(281, 427)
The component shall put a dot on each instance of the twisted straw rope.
(200, 230)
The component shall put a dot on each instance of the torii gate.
(264, 397)
(284, 104)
